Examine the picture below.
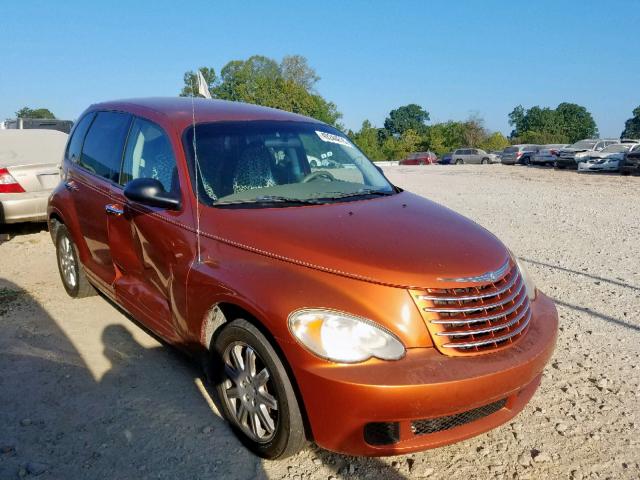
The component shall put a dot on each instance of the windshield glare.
(583, 144)
(268, 161)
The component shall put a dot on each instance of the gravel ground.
(86, 393)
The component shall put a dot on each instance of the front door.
(146, 247)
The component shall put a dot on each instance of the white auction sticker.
(331, 138)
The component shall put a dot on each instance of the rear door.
(91, 181)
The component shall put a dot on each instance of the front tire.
(459, 161)
(73, 278)
(255, 393)
(484, 161)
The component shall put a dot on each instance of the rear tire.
(73, 278)
(248, 395)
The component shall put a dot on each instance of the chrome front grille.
(477, 319)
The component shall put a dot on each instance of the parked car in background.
(547, 154)
(570, 156)
(445, 158)
(498, 155)
(29, 170)
(514, 154)
(362, 317)
(630, 164)
(608, 159)
(473, 156)
(420, 158)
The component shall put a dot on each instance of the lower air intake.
(433, 425)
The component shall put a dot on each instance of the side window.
(102, 149)
(77, 137)
(149, 155)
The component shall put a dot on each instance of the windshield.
(616, 148)
(510, 149)
(279, 162)
(583, 145)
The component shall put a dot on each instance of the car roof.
(178, 110)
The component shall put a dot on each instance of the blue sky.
(455, 58)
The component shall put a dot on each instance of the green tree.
(26, 112)
(577, 123)
(397, 148)
(263, 81)
(516, 119)
(540, 138)
(367, 140)
(568, 122)
(632, 126)
(495, 141)
(444, 137)
(191, 81)
(409, 117)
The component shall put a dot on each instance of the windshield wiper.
(359, 193)
(271, 199)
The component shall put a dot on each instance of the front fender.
(270, 289)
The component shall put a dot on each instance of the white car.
(607, 159)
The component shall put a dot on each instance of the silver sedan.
(29, 170)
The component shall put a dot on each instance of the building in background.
(37, 123)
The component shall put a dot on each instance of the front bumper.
(341, 400)
(598, 167)
(23, 207)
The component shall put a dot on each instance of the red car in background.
(420, 158)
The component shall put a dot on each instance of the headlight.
(528, 281)
(341, 337)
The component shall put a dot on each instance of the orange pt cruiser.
(325, 303)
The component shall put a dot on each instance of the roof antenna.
(203, 89)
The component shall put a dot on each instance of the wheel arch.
(220, 314)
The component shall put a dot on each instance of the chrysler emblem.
(485, 277)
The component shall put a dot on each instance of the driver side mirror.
(150, 192)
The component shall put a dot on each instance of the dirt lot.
(85, 393)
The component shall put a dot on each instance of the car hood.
(402, 240)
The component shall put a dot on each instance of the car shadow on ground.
(144, 418)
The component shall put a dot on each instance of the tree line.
(290, 84)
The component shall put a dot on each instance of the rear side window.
(77, 137)
(102, 149)
(149, 155)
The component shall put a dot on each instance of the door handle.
(114, 210)
(71, 186)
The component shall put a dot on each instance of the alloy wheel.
(247, 391)
(67, 262)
